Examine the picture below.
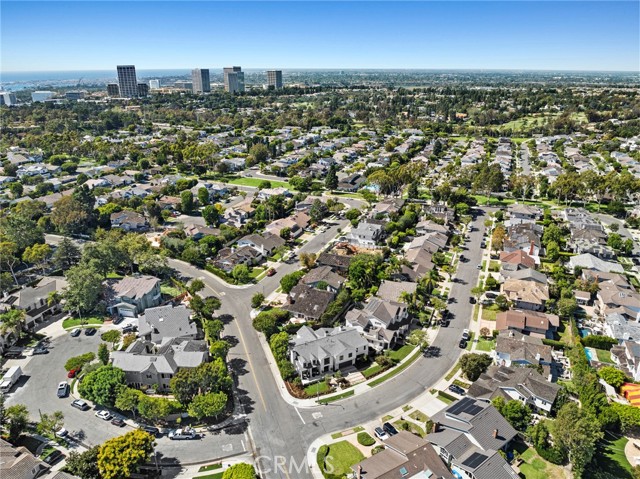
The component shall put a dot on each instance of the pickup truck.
(186, 433)
(10, 378)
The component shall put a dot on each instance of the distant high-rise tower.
(127, 81)
(233, 79)
(113, 90)
(274, 79)
(154, 84)
(200, 80)
(8, 98)
(143, 89)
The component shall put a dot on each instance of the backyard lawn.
(342, 455)
(534, 467)
(170, 290)
(610, 457)
(604, 356)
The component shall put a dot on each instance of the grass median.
(396, 370)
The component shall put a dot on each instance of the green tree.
(264, 185)
(103, 353)
(69, 216)
(307, 260)
(318, 211)
(352, 214)
(13, 322)
(77, 362)
(289, 281)
(219, 348)
(102, 385)
(211, 215)
(154, 408)
(203, 196)
(9, 257)
(567, 307)
(50, 423)
(257, 300)
(66, 254)
(419, 338)
(497, 238)
(612, 376)
(241, 273)
(128, 400)
(20, 230)
(285, 233)
(259, 153)
(240, 471)
(518, 414)
(16, 189)
(474, 364)
(83, 464)
(120, 457)
(207, 405)
(186, 202)
(112, 336)
(83, 290)
(331, 180)
(38, 254)
(363, 270)
(17, 417)
(615, 241)
(553, 251)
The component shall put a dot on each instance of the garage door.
(127, 313)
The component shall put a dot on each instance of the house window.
(350, 354)
(404, 472)
(148, 376)
(326, 360)
(341, 358)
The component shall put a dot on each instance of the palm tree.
(12, 322)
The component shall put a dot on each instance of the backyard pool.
(591, 354)
(584, 332)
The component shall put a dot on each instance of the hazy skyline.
(53, 36)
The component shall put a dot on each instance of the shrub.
(365, 439)
(554, 344)
(599, 342)
(377, 449)
(77, 362)
(554, 455)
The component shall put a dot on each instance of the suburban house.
(515, 260)
(324, 351)
(589, 261)
(366, 234)
(339, 262)
(387, 207)
(34, 300)
(467, 436)
(382, 323)
(514, 348)
(147, 364)
(627, 358)
(240, 213)
(229, 258)
(526, 294)
(169, 321)
(520, 384)
(441, 212)
(197, 232)
(308, 303)
(524, 236)
(131, 295)
(405, 456)
(296, 224)
(19, 463)
(393, 290)
(619, 326)
(613, 298)
(526, 274)
(323, 276)
(266, 243)
(519, 213)
(429, 226)
(129, 221)
(533, 323)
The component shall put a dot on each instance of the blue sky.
(577, 35)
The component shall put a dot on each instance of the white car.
(62, 432)
(104, 415)
(466, 334)
(381, 434)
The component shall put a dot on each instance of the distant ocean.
(21, 80)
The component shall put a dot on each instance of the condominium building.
(143, 89)
(37, 96)
(200, 80)
(8, 98)
(113, 90)
(233, 79)
(274, 79)
(127, 81)
(154, 84)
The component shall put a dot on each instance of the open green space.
(316, 388)
(338, 458)
(534, 467)
(255, 182)
(604, 356)
(401, 353)
(77, 322)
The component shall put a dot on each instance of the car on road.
(75, 333)
(472, 300)
(104, 415)
(118, 319)
(117, 422)
(483, 245)
(90, 331)
(271, 272)
(479, 266)
(62, 432)
(462, 344)
(53, 457)
(80, 404)
(466, 334)
(129, 328)
(40, 348)
(63, 389)
(73, 373)
(380, 434)
(389, 429)
(457, 389)
(445, 323)
(154, 431)
(180, 434)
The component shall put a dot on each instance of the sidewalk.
(189, 472)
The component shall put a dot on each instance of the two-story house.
(529, 295)
(131, 295)
(382, 323)
(366, 235)
(534, 323)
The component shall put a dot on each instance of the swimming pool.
(584, 332)
(590, 354)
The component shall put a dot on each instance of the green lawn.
(344, 395)
(401, 353)
(316, 388)
(169, 290)
(256, 271)
(486, 344)
(217, 475)
(255, 182)
(470, 341)
(75, 322)
(494, 266)
(453, 372)
(412, 427)
(610, 457)
(604, 356)
(396, 370)
(445, 398)
(338, 458)
(419, 416)
(372, 371)
(210, 467)
(490, 312)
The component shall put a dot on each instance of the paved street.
(523, 159)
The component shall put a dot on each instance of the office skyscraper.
(127, 81)
(200, 80)
(113, 90)
(8, 98)
(274, 79)
(233, 79)
(143, 89)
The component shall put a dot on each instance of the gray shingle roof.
(326, 342)
(167, 322)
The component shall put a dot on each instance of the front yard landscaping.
(317, 388)
(77, 322)
(485, 344)
(338, 458)
(490, 312)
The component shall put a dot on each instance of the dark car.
(444, 323)
(151, 430)
(457, 389)
(129, 328)
(13, 352)
(389, 429)
(40, 350)
(117, 422)
(118, 320)
(90, 331)
(472, 300)
(53, 457)
(462, 344)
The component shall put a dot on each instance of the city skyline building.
(113, 90)
(8, 98)
(274, 79)
(38, 96)
(154, 84)
(143, 89)
(200, 80)
(127, 81)
(233, 79)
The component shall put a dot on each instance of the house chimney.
(495, 433)
(531, 249)
(359, 472)
(435, 427)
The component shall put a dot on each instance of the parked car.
(185, 433)
(380, 434)
(117, 422)
(457, 389)
(462, 344)
(466, 334)
(90, 331)
(271, 272)
(104, 415)
(154, 431)
(40, 350)
(479, 266)
(445, 323)
(389, 429)
(80, 404)
(75, 333)
(73, 373)
(13, 352)
(63, 389)
(129, 328)
(118, 320)
(472, 300)
(62, 432)
(53, 457)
